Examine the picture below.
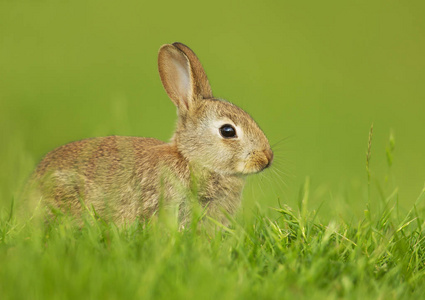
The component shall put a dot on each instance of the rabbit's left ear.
(182, 75)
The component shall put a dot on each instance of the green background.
(315, 73)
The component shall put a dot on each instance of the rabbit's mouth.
(256, 162)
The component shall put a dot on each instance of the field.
(341, 212)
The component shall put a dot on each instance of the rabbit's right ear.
(182, 76)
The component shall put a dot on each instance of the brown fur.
(125, 178)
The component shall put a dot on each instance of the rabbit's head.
(211, 133)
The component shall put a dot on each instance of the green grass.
(290, 253)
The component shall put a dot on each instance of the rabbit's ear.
(202, 85)
(182, 75)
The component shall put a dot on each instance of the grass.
(278, 255)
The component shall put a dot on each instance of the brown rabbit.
(215, 145)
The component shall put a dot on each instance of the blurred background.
(315, 75)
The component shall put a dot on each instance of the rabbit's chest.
(221, 193)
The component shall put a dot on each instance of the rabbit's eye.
(228, 131)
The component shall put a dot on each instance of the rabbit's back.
(120, 177)
(91, 156)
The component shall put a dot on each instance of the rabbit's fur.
(125, 178)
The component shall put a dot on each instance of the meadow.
(340, 214)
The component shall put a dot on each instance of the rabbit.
(214, 147)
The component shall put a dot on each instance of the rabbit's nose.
(269, 155)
